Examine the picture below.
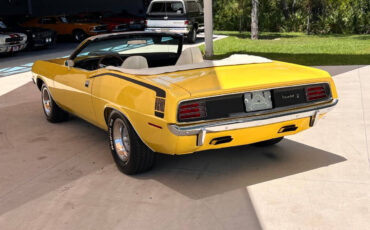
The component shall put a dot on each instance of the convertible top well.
(236, 59)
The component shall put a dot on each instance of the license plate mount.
(258, 101)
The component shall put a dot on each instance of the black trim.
(158, 114)
(160, 92)
(124, 35)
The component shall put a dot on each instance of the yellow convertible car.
(154, 97)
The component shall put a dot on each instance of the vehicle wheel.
(269, 142)
(52, 111)
(79, 35)
(192, 36)
(131, 155)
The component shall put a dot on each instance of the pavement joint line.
(363, 117)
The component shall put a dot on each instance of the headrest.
(135, 62)
(191, 55)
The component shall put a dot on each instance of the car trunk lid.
(242, 78)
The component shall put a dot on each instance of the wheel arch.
(39, 83)
(108, 110)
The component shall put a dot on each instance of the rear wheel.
(192, 36)
(269, 142)
(52, 111)
(130, 154)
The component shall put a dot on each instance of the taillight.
(146, 22)
(316, 93)
(192, 111)
(186, 22)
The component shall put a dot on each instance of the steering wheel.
(111, 55)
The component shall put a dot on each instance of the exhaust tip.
(221, 140)
(289, 128)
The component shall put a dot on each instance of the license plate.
(288, 97)
(15, 48)
(258, 101)
(165, 30)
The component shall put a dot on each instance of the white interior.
(190, 60)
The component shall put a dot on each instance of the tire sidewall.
(192, 36)
(79, 35)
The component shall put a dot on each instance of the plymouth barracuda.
(154, 97)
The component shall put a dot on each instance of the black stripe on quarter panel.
(159, 92)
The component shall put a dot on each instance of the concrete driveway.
(62, 176)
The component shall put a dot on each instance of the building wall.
(52, 7)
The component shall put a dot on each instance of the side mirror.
(69, 63)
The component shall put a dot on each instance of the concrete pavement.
(63, 176)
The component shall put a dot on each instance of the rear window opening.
(166, 8)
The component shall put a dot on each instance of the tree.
(254, 25)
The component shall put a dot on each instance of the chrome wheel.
(121, 140)
(46, 101)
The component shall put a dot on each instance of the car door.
(72, 89)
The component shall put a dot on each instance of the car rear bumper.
(202, 130)
(179, 30)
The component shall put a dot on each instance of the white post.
(208, 27)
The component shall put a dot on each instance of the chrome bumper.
(241, 123)
(179, 30)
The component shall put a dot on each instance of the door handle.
(87, 83)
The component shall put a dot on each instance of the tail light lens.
(146, 22)
(187, 22)
(315, 93)
(190, 111)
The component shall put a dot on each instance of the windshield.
(166, 8)
(132, 45)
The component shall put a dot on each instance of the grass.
(298, 48)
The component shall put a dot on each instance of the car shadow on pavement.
(214, 172)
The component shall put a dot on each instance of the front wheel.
(130, 154)
(52, 111)
(79, 35)
(269, 142)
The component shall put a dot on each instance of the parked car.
(67, 25)
(37, 37)
(180, 16)
(133, 22)
(97, 17)
(11, 42)
(152, 97)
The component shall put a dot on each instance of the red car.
(113, 26)
(133, 22)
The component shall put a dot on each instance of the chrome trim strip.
(256, 121)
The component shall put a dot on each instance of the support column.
(208, 27)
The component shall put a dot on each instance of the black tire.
(269, 142)
(135, 159)
(192, 36)
(79, 35)
(52, 111)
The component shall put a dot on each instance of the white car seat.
(189, 56)
(135, 62)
